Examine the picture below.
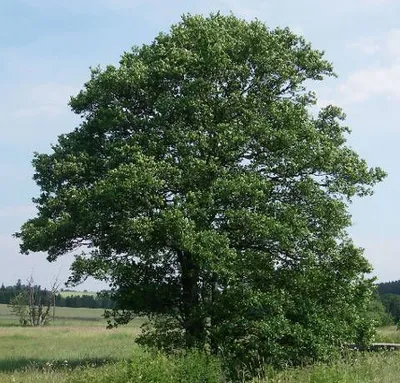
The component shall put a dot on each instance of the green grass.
(381, 367)
(76, 341)
(143, 367)
(388, 334)
(23, 346)
(64, 316)
(78, 348)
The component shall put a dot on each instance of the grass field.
(77, 348)
(64, 316)
(77, 338)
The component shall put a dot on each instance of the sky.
(47, 47)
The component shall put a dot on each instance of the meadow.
(78, 348)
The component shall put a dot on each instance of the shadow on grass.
(21, 364)
(10, 324)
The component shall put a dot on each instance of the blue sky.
(47, 46)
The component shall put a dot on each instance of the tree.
(377, 311)
(392, 287)
(19, 307)
(391, 302)
(32, 304)
(201, 186)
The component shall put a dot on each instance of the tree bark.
(193, 318)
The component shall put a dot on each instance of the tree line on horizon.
(390, 287)
(84, 300)
(387, 299)
(389, 295)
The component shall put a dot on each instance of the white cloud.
(368, 83)
(388, 45)
(366, 45)
(379, 80)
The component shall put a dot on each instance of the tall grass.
(23, 347)
(388, 334)
(381, 367)
(149, 367)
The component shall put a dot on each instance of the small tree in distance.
(202, 188)
(32, 304)
(19, 307)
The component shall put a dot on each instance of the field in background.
(77, 348)
(63, 316)
(76, 293)
(388, 334)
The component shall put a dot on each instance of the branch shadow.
(21, 364)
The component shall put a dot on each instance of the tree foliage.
(19, 307)
(378, 312)
(201, 186)
(391, 302)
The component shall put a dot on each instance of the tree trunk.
(213, 342)
(193, 318)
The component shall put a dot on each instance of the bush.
(152, 366)
(115, 373)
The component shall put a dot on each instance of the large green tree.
(204, 189)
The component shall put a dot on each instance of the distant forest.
(388, 296)
(389, 288)
(7, 293)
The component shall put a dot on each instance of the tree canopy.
(201, 185)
